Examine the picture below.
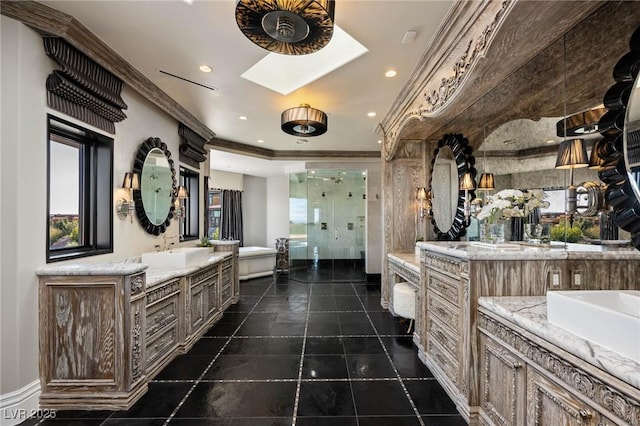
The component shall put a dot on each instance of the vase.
(537, 233)
(517, 229)
(492, 232)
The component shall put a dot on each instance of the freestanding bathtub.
(256, 262)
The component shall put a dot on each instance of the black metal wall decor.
(465, 161)
(192, 150)
(138, 165)
(619, 193)
(82, 88)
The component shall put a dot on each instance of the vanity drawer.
(162, 345)
(162, 313)
(162, 291)
(225, 293)
(206, 274)
(443, 360)
(443, 336)
(444, 286)
(444, 311)
(227, 263)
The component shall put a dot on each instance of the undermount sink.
(181, 257)
(610, 318)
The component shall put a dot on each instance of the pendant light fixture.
(486, 179)
(289, 27)
(303, 121)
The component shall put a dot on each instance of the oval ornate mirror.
(154, 201)
(451, 159)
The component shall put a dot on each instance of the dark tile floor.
(292, 353)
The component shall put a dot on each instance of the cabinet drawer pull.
(585, 414)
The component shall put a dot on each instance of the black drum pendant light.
(303, 121)
(289, 27)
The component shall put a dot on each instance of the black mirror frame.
(141, 156)
(462, 153)
(619, 195)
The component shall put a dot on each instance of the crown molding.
(52, 22)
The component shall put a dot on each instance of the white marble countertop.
(530, 313)
(521, 251)
(156, 276)
(409, 260)
(116, 268)
(153, 276)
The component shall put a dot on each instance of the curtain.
(231, 227)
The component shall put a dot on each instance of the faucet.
(165, 244)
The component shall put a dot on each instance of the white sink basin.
(181, 257)
(610, 318)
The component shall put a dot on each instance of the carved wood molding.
(478, 46)
(623, 406)
(462, 40)
(411, 276)
(447, 264)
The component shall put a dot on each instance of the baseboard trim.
(17, 406)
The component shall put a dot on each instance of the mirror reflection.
(444, 190)
(632, 138)
(156, 186)
(154, 202)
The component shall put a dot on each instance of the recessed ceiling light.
(260, 141)
(205, 68)
(550, 141)
(302, 141)
(371, 114)
(379, 140)
(390, 73)
(242, 117)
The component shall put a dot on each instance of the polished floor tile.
(290, 351)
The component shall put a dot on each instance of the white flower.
(512, 203)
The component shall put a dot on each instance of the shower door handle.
(337, 234)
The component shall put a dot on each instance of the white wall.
(254, 219)
(23, 184)
(277, 209)
(225, 180)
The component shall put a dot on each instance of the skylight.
(287, 73)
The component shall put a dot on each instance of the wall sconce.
(572, 155)
(182, 194)
(126, 207)
(487, 182)
(424, 197)
(467, 184)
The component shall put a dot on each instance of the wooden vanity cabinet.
(92, 343)
(163, 323)
(202, 305)
(452, 286)
(527, 381)
(104, 337)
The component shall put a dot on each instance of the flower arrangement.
(512, 203)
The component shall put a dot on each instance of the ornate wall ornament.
(436, 99)
(136, 350)
(447, 68)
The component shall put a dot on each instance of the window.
(79, 193)
(215, 211)
(190, 225)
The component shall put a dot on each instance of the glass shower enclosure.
(327, 226)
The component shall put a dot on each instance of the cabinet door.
(212, 296)
(550, 405)
(503, 384)
(197, 307)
